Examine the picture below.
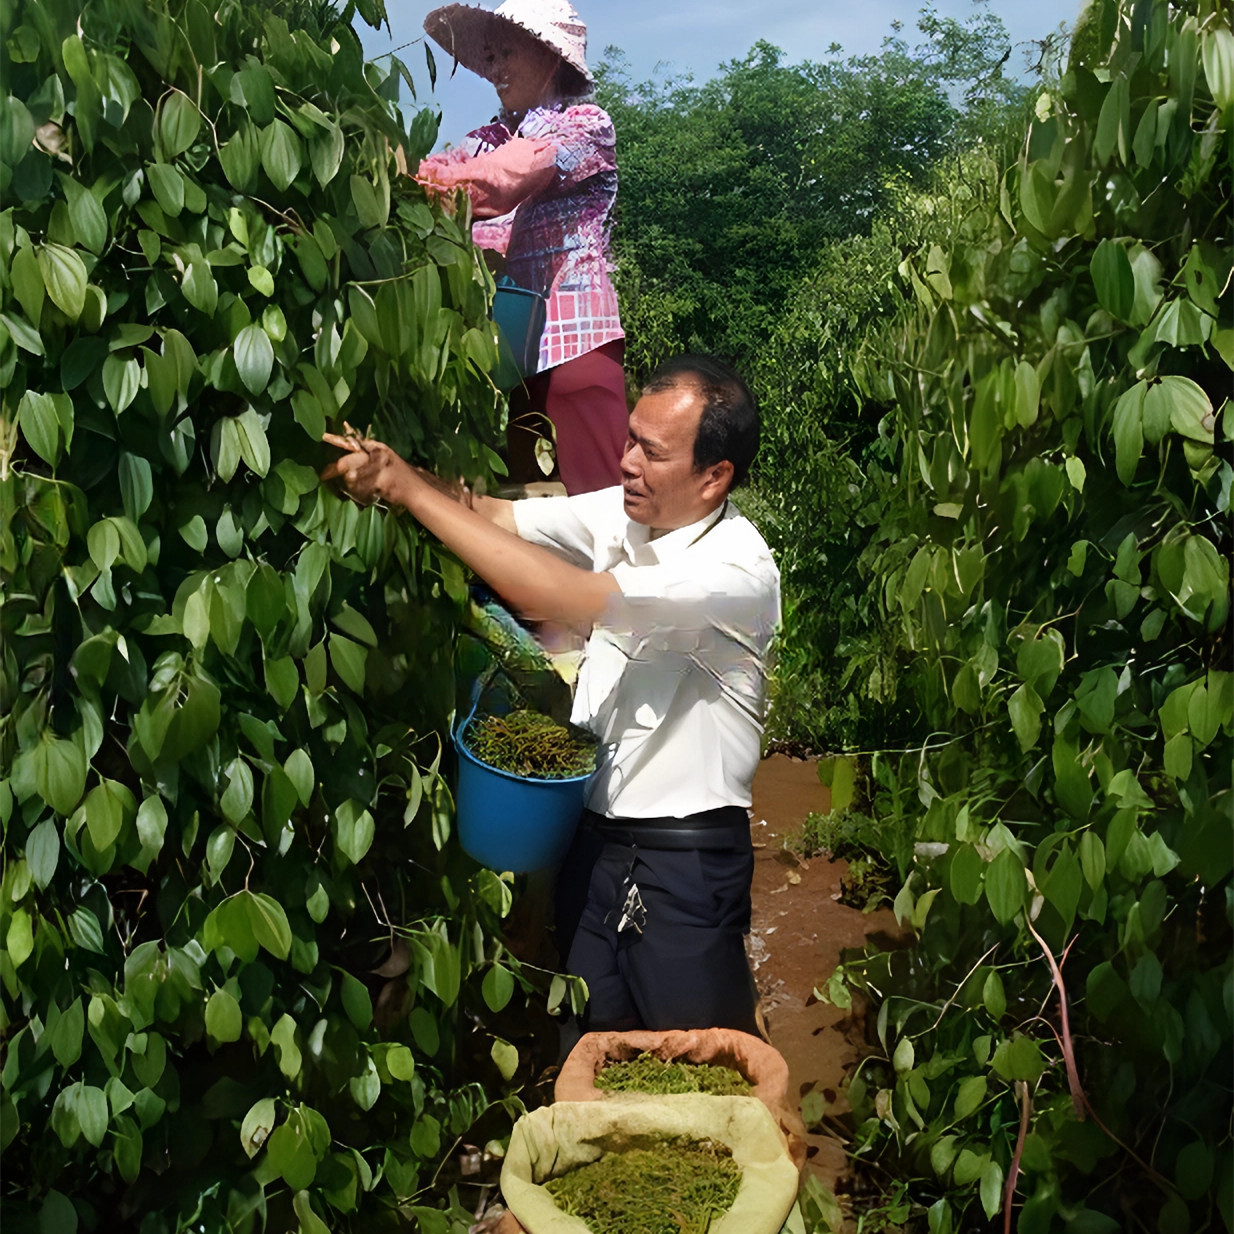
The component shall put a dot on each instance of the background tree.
(762, 216)
(247, 974)
(731, 189)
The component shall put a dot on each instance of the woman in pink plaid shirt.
(542, 179)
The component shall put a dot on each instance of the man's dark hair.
(729, 426)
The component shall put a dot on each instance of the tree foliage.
(823, 471)
(246, 972)
(1054, 559)
(730, 189)
(762, 216)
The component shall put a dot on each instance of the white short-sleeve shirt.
(673, 680)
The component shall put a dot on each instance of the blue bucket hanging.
(509, 822)
(519, 316)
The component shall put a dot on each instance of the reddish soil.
(798, 932)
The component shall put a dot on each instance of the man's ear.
(718, 479)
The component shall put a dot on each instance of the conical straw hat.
(464, 30)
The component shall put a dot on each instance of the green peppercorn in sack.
(649, 1074)
(554, 1140)
(755, 1060)
(670, 1186)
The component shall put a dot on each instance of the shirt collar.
(644, 551)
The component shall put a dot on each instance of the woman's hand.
(369, 471)
(440, 178)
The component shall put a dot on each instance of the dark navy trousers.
(686, 966)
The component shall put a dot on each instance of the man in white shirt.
(679, 598)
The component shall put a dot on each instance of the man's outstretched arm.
(497, 510)
(535, 581)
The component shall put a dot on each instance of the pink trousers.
(585, 398)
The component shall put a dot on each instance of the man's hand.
(369, 470)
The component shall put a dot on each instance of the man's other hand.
(369, 471)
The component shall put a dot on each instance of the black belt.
(725, 827)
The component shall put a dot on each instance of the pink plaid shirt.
(556, 240)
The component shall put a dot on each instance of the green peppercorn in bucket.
(513, 819)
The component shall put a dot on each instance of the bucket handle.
(481, 683)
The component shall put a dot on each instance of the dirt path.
(798, 931)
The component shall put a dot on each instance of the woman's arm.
(584, 139)
(535, 581)
(496, 180)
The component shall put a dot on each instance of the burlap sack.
(761, 1064)
(553, 1139)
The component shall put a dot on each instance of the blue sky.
(697, 37)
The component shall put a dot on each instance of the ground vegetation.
(763, 216)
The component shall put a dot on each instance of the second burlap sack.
(759, 1063)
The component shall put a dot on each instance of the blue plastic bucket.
(509, 822)
(519, 315)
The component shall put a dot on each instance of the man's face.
(662, 488)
